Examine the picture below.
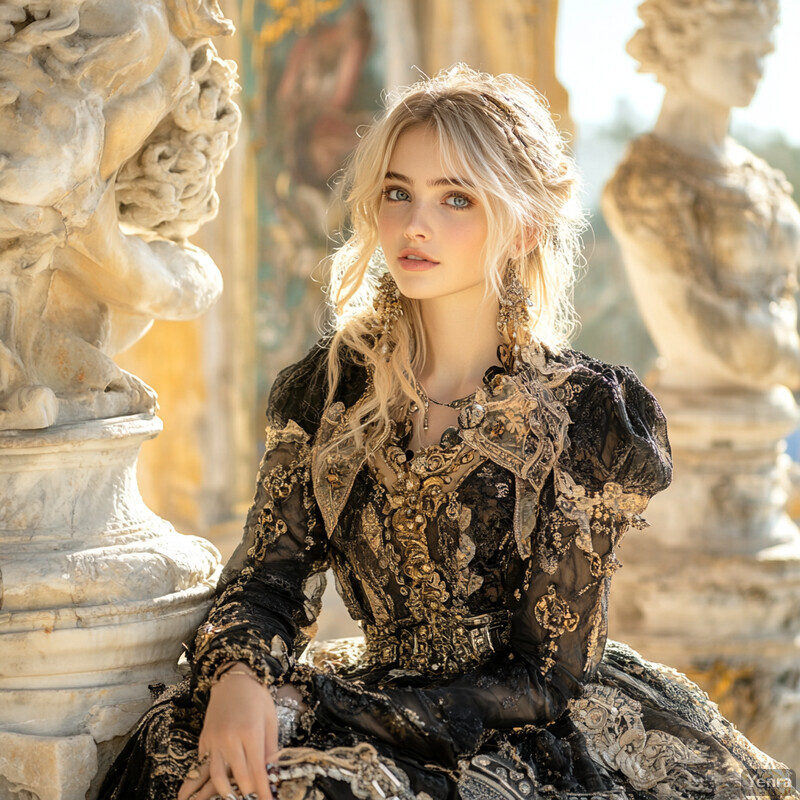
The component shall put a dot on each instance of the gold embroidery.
(523, 427)
(555, 616)
(420, 488)
(460, 644)
(333, 476)
(581, 506)
(429, 639)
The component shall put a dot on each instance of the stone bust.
(710, 234)
(117, 115)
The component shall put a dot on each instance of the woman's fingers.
(195, 779)
(220, 777)
(249, 771)
(205, 792)
(257, 759)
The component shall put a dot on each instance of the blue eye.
(396, 195)
(458, 201)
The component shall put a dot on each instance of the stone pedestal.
(712, 586)
(97, 595)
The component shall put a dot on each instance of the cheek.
(384, 224)
(470, 233)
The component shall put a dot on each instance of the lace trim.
(368, 775)
(615, 735)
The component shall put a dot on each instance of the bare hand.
(240, 736)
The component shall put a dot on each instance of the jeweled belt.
(442, 646)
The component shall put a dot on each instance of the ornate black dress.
(479, 570)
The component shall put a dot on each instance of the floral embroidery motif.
(612, 725)
(555, 616)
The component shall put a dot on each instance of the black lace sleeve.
(618, 456)
(270, 591)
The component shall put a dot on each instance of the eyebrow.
(396, 176)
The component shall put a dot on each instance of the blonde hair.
(494, 132)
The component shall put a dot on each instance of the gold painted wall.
(517, 36)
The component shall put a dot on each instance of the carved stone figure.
(710, 231)
(116, 118)
(710, 237)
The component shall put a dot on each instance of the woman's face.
(729, 63)
(431, 226)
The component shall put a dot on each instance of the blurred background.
(312, 72)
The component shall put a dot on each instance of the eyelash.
(386, 194)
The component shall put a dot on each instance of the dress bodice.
(425, 557)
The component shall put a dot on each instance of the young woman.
(467, 477)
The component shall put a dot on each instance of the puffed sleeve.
(616, 458)
(270, 591)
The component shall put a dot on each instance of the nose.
(753, 66)
(417, 229)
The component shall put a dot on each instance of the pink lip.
(421, 263)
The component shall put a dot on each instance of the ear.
(526, 242)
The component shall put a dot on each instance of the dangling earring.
(387, 311)
(514, 319)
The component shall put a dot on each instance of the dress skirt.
(639, 731)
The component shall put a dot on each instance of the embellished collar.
(517, 420)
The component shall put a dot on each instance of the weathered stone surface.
(46, 768)
(97, 593)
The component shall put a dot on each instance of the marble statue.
(710, 238)
(711, 231)
(116, 118)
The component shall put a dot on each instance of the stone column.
(710, 237)
(116, 116)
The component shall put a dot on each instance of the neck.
(461, 340)
(694, 125)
